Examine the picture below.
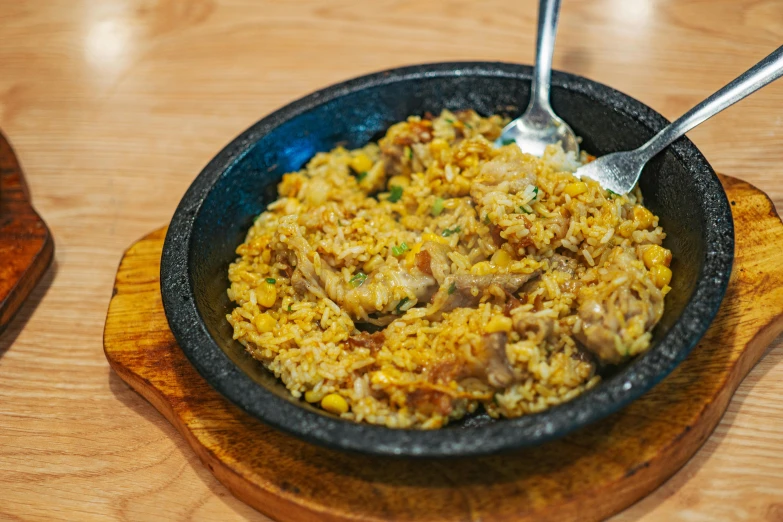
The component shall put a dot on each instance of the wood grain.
(589, 475)
(26, 246)
(114, 106)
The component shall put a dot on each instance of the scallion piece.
(400, 250)
(401, 304)
(395, 193)
(360, 176)
(448, 232)
(271, 280)
(437, 207)
(452, 288)
(358, 279)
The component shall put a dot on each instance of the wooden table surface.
(114, 106)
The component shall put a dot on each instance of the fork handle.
(767, 70)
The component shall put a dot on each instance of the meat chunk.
(564, 264)
(376, 294)
(498, 370)
(371, 341)
(490, 366)
(439, 262)
(533, 325)
(618, 312)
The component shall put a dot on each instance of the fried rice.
(411, 281)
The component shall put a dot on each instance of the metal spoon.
(620, 171)
(539, 126)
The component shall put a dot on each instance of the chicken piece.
(457, 291)
(530, 324)
(376, 294)
(619, 310)
(433, 259)
(562, 263)
(490, 366)
(498, 370)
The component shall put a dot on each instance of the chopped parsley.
(452, 288)
(271, 280)
(437, 207)
(360, 176)
(401, 304)
(358, 279)
(395, 193)
(400, 250)
(448, 232)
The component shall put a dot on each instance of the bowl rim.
(227, 378)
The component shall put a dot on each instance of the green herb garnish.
(486, 219)
(468, 125)
(271, 280)
(437, 207)
(399, 250)
(507, 141)
(448, 232)
(612, 193)
(358, 279)
(449, 121)
(524, 210)
(395, 193)
(452, 288)
(289, 308)
(535, 193)
(410, 153)
(401, 303)
(360, 176)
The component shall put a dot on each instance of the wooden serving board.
(589, 475)
(26, 246)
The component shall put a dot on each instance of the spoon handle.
(545, 48)
(767, 70)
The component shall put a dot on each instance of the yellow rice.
(348, 243)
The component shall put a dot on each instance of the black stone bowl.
(218, 208)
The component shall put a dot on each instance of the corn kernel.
(429, 236)
(574, 189)
(438, 145)
(264, 322)
(501, 258)
(661, 275)
(499, 323)
(400, 181)
(656, 255)
(643, 216)
(266, 294)
(481, 268)
(313, 396)
(334, 403)
(361, 163)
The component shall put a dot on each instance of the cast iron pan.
(216, 211)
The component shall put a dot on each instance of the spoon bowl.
(539, 126)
